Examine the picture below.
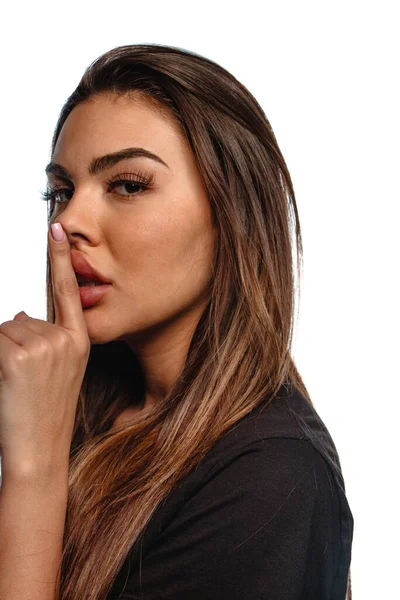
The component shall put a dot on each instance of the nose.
(79, 216)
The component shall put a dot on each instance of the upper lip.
(81, 266)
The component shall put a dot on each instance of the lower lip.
(91, 295)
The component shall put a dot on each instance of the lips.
(82, 267)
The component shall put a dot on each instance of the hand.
(42, 366)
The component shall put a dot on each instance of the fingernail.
(57, 232)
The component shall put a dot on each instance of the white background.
(326, 75)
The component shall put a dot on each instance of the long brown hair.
(240, 352)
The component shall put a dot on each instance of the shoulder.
(275, 447)
(270, 461)
(282, 482)
(268, 511)
(289, 416)
(270, 476)
(266, 501)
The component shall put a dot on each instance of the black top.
(264, 516)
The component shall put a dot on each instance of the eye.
(129, 185)
(143, 181)
(51, 193)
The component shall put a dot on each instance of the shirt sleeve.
(264, 525)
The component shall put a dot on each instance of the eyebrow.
(104, 162)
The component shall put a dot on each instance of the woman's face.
(155, 246)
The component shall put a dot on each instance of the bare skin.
(155, 246)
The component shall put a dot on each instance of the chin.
(96, 341)
(100, 337)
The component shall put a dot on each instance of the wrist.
(29, 471)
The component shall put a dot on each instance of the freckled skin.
(155, 246)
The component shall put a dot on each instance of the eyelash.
(143, 180)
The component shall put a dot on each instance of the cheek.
(171, 256)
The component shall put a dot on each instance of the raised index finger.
(67, 301)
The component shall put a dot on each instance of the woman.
(196, 463)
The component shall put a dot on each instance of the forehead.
(106, 123)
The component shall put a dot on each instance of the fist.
(42, 366)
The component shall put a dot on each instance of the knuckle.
(19, 357)
(42, 347)
(67, 287)
(62, 339)
(61, 250)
